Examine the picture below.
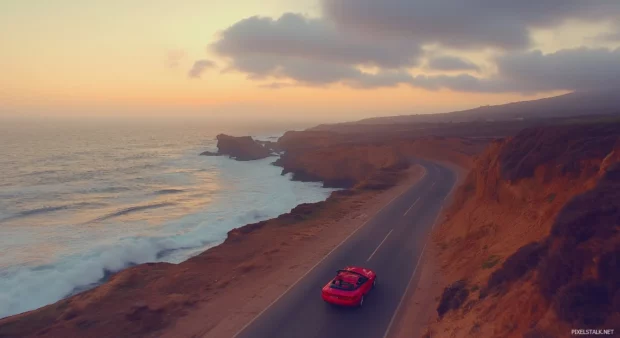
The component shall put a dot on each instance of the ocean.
(79, 201)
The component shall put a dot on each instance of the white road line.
(414, 203)
(319, 262)
(377, 249)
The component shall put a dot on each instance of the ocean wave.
(169, 191)
(42, 211)
(238, 193)
(127, 211)
(26, 288)
(105, 190)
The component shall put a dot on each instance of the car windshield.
(342, 285)
(347, 281)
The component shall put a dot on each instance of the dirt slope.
(530, 247)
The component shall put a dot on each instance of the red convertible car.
(349, 286)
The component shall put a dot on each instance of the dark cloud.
(451, 63)
(296, 36)
(523, 72)
(463, 23)
(569, 69)
(380, 79)
(306, 72)
(385, 36)
(276, 85)
(199, 68)
(533, 72)
(608, 37)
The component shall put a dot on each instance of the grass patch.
(551, 197)
(491, 262)
(474, 288)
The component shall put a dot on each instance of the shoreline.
(161, 297)
(177, 235)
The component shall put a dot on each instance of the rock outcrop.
(344, 161)
(242, 148)
(342, 166)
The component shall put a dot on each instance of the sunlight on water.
(78, 203)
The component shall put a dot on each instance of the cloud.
(568, 69)
(314, 73)
(608, 37)
(199, 68)
(313, 53)
(451, 63)
(503, 24)
(524, 72)
(276, 85)
(386, 36)
(174, 58)
(300, 37)
(579, 69)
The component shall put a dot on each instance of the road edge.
(398, 318)
(290, 287)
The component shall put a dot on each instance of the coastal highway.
(391, 243)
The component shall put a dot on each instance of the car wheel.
(361, 301)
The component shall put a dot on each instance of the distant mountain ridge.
(602, 102)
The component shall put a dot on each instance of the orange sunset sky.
(135, 58)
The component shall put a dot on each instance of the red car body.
(349, 286)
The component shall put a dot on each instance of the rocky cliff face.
(340, 166)
(532, 239)
(240, 148)
(308, 139)
(344, 162)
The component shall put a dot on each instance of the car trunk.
(341, 294)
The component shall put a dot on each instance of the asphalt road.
(390, 243)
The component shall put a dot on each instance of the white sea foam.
(243, 192)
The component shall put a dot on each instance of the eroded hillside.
(530, 246)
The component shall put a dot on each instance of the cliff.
(366, 161)
(242, 148)
(530, 246)
(340, 166)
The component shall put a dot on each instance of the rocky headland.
(243, 148)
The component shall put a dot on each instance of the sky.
(315, 60)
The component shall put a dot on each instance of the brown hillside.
(530, 245)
